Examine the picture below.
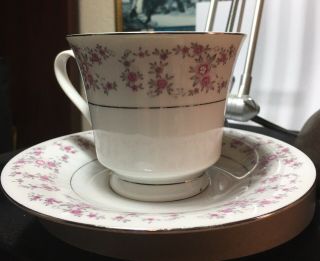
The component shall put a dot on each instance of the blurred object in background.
(308, 140)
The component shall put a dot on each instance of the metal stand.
(241, 107)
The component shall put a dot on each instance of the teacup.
(156, 102)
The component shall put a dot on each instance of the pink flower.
(108, 86)
(223, 57)
(102, 51)
(141, 53)
(162, 83)
(50, 201)
(92, 215)
(173, 216)
(46, 187)
(205, 81)
(44, 178)
(288, 161)
(215, 215)
(197, 49)
(273, 179)
(234, 143)
(35, 197)
(68, 148)
(65, 157)
(77, 212)
(185, 50)
(132, 77)
(226, 210)
(37, 151)
(265, 202)
(40, 162)
(89, 78)
(149, 220)
(51, 164)
(203, 69)
(158, 70)
(95, 58)
(271, 157)
(163, 56)
(260, 190)
(119, 218)
(20, 161)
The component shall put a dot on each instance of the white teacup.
(156, 102)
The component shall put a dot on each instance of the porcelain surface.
(156, 100)
(61, 180)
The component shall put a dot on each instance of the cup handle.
(60, 70)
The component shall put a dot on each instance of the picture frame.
(155, 15)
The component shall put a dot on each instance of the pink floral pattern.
(36, 173)
(90, 57)
(132, 78)
(161, 79)
(204, 61)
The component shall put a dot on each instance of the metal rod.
(246, 76)
(211, 15)
(240, 18)
(232, 15)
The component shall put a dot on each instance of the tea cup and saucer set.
(159, 173)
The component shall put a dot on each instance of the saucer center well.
(91, 183)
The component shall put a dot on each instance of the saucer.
(62, 182)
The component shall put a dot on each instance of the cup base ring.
(159, 192)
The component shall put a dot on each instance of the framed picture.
(155, 15)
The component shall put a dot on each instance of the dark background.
(33, 108)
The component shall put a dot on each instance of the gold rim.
(154, 33)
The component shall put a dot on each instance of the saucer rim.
(159, 230)
(199, 229)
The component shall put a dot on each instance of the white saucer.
(62, 181)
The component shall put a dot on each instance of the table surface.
(22, 237)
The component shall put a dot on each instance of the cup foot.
(160, 192)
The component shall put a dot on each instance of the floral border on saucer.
(35, 179)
